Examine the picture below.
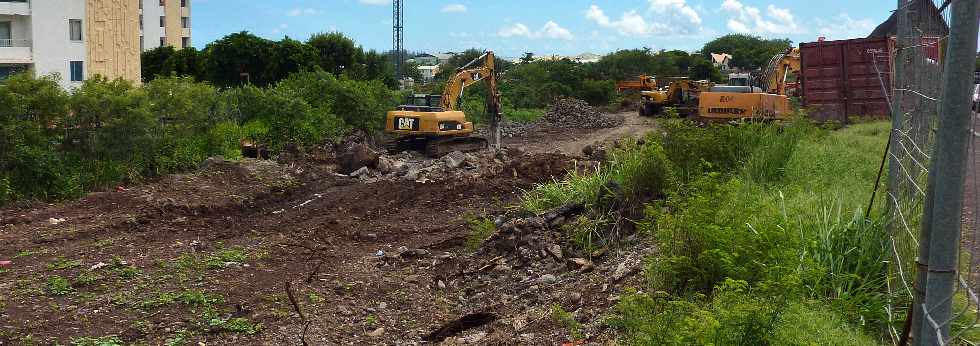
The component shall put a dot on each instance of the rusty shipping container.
(848, 78)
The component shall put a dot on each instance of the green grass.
(760, 233)
(480, 230)
(524, 115)
(111, 340)
(58, 286)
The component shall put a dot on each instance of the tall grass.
(776, 208)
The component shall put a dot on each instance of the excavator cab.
(422, 103)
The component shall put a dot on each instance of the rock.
(361, 172)
(547, 279)
(359, 155)
(380, 253)
(385, 165)
(454, 159)
(475, 338)
(412, 174)
(442, 285)
(574, 297)
(588, 150)
(5, 263)
(377, 332)
(55, 221)
(382, 306)
(96, 266)
(555, 250)
(582, 264)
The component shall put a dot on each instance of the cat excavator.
(435, 124)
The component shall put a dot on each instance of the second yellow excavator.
(680, 93)
(435, 124)
(768, 100)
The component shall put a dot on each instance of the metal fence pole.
(949, 165)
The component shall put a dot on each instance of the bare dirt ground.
(258, 252)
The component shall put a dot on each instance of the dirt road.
(264, 253)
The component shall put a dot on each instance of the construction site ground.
(277, 253)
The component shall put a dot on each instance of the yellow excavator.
(435, 125)
(766, 101)
(680, 93)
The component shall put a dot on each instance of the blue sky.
(565, 27)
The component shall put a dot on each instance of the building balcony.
(15, 51)
(15, 7)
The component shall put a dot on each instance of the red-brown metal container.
(846, 78)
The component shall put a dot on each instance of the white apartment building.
(165, 23)
(74, 39)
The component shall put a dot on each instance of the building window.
(162, 3)
(141, 22)
(163, 21)
(75, 29)
(185, 22)
(163, 41)
(5, 35)
(183, 3)
(185, 42)
(77, 71)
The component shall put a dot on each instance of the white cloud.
(748, 19)
(296, 12)
(550, 30)
(844, 27)
(454, 8)
(375, 2)
(669, 17)
(677, 8)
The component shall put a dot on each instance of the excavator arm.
(779, 69)
(467, 75)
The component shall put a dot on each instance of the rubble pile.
(574, 113)
(412, 166)
(509, 129)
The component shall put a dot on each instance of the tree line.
(243, 58)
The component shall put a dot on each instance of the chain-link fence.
(923, 173)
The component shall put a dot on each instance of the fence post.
(949, 167)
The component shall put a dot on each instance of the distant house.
(429, 72)
(433, 59)
(722, 61)
(586, 58)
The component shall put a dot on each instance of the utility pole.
(949, 166)
(398, 37)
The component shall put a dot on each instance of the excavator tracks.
(442, 146)
(438, 147)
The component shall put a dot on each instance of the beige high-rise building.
(76, 39)
(165, 23)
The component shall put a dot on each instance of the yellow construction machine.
(644, 83)
(435, 124)
(680, 93)
(741, 100)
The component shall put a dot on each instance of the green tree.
(152, 61)
(289, 56)
(748, 51)
(337, 53)
(238, 58)
(184, 62)
(702, 69)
